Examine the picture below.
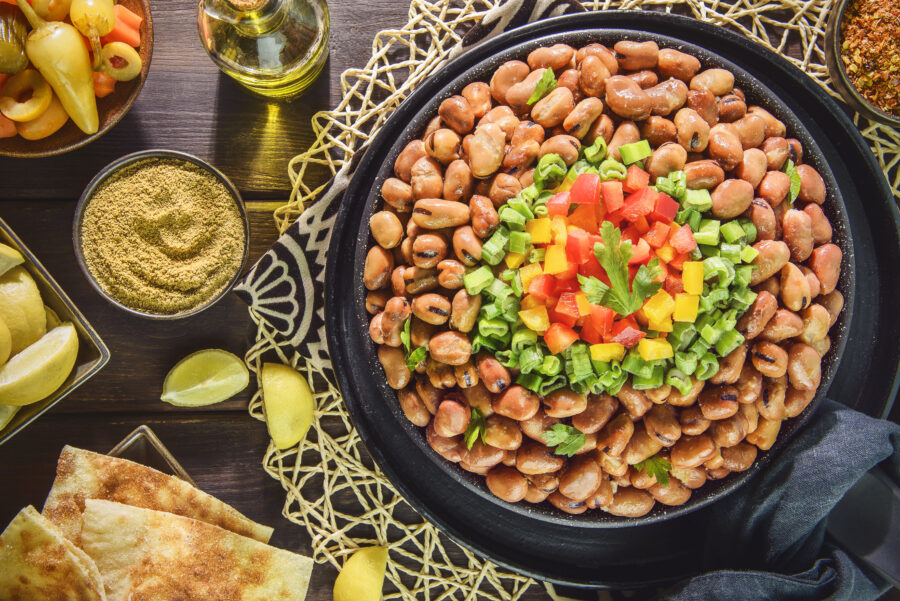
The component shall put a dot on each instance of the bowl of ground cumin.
(161, 234)
(862, 52)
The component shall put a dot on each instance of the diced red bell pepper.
(641, 225)
(602, 319)
(558, 204)
(579, 246)
(631, 233)
(682, 240)
(600, 212)
(657, 235)
(635, 179)
(571, 273)
(640, 253)
(626, 332)
(615, 218)
(585, 217)
(663, 273)
(566, 310)
(561, 318)
(665, 209)
(673, 285)
(639, 204)
(677, 261)
(566, 285)
(592, 267)
(586, 189)
(541, 286)
(590, 334)
(559, 337)
(613, 197)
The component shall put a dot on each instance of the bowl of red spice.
(862, 52)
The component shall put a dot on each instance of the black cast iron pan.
(595, 550)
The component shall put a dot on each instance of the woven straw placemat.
(332, 487)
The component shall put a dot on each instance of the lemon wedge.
(5, 342)
(7, 412)
(9, 258)
(288, 402)
(53, 319)
(37, 371)
(362, 577)
(21, 308)
(204, 378)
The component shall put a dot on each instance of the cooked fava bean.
(751, 130)
(717, 81)
(769, 359)
(485, 151)
(731, 198)
(450, 274)
(481, 471)
(433, 126)
(452, 348)
(535, 458)
(436, 213)
(749, 384)
(569, 79)
(626, 133)
(796, 150)
(739, 457)
(516, 402)
(601, 52)
(495, 377)
(393, 360)
(386, 229)
(564, 503)
(730, 366)
(428, 250)
(458, 114)
(378, 267)
(796, 401)
(431, 308)
(630, 502)
(635, 402)
(600, 408)
(773, 255)
(692, 130)
(717, 473)
(431, 395)
(464, 310)
(833, 303)
(686, 400)
(478, 397)
(452, 449)
(752, 322)
(527, 131)
(821, 227)
(504, 118)
(783, 325)
(797, 232)
(777, 152)
(816, 322)
(667, 158)
(396, 312)
(503, 188)
(822, 346)
(659, 394)
(413, 407)
(646, 79)
(375, 331)
(667, 96)
(718, 402)
(673, 495)
(418, 279)
(672, 63)
(425, 178)
(502, 432)
(603, 127)
(413, 151)
(567, 147)
(825, 261)
(552, 109)
(615, 435)
(704, 102)
(579, 120)
(509, 458)
(804, 367)
(602, 496)
(483, 455)
(593, 76)
(752, 167)
(693, 477)
(812, 186)
(661, 423)
(815, 287)
(518, 94)
(692, 451)
(522, 156)
(763, 217)
(729, 431)
(443, 145)
(451, 419)
(398, 193)
(641, 479)
(731, 108)
(692, 421)
(484, 216)
(398, 281)
(534, 495)
(612, 465)
(765, 434)
(725, 146)
(774, 127)
(466, 245)
(420, 332)
(441, 375)
(641, 446)
(556, 57)
(564, 403)
(634, 56)
(774, 187)
(704, 174)
(580, 478)
(507, 75)
(795, 290)
(535, 427)
(626, 98)
(478, 95)
(458, 181)
(657, 130)
(507, 483)
(375, 301)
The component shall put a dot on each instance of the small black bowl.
(839, 76)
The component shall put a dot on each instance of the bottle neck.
(255, 18)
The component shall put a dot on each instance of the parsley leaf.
(475, 429)
(791, 170)
(414, 358)
(594, 288)
(613, 256)
(545, 85)
(404, 335)
(657, 467)
(566, 439)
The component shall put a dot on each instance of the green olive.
(120, 61)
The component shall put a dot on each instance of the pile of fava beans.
(478, 152)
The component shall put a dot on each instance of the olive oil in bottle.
(274, 48)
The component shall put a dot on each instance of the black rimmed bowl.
(593, 549)
(111, 170)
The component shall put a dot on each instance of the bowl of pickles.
(69, 71)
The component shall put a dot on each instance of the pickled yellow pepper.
(58, 52)
(93, 18)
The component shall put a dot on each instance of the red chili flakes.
(870, 47)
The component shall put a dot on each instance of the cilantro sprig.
(413, 356)
(613, 255)
(566, 439)
(545, 85)
(657, 467)
(791, 170)
(476, 428)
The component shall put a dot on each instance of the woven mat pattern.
(332, 487)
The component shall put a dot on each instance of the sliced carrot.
(126, 28)
(104, 84)
(7, 127)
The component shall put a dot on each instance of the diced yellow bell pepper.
(565, 186)
(513, 260)
(555, 260)
(539, 230)
(651, 349)
(584, 306)
(559, 229)
(536, 319)
(666, 253)
(529, 301)
(662, 326)
(692, 277)
(528, 273)
(608, 351)
(659, 307)
(686, 306)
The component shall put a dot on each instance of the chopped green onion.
(678, 380)
(634, 152)
(512, 218)
(708, 367)
(493, 251)
(509, 306)
(578, 362)
(537, 255)
(551, 384)
(530, 359)
(749, 230)
(612, 169)
(731, 252)
(523, 337)
(686, 362)
(578, 167)
(748, 254)
(550, 171)
(729, 341)
(507, 358)
(490, 311)
(498, 289)
(653, 380)
(551, 365)
(742, 274)
(596, 152)
(478, 280)
(708, 232)
(699, 200)
(519, 242)
(718, 267)
(531, 381)
(732, 231)
(521, 207)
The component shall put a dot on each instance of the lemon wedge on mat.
(21, 308)
(7, 412)
(362, 576)
(9, 258)
(37, 371)
(204, 378)
(288, 402)
(5, 342)
(53, 319)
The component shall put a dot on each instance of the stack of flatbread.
(115, 530)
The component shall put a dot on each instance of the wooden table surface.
(186, 105)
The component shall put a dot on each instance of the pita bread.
(153, 555)
(82, 475)
(38, 564)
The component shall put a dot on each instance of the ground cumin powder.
(162, 236)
